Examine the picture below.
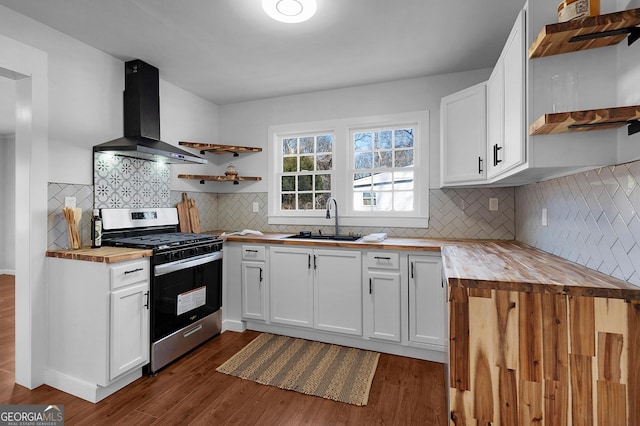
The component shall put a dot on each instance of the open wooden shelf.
(234, 179)
(580, 121)
(220, 149)
(586, 33)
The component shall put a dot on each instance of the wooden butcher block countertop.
(499, 265)
(102, 254)
(514, 266)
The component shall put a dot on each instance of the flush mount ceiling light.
(290, 11)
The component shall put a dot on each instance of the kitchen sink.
(324, 237)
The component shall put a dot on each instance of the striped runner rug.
(329, 371)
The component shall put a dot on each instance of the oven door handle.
(168, 268)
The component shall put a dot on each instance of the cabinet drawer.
(253, 253)
(129, 274)
(383, 260)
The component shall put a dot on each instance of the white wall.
(246, 123)
(7, 211)
(85, 100)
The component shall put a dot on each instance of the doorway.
(27, 67)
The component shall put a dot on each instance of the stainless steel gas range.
(186, 278)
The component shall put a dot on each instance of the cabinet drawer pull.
(411, 269)
(309, 261)
(133, 270)
(382, 258)
(146, 305)
(480, 165)
(370, 285)
(251, 251)
(260, 274)
(315, 263)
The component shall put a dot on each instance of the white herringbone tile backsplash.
(594, 219)
(455, 213)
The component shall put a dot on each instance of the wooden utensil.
(72, 226)
(194, 217)
(183, 214)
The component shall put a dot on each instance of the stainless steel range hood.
(142, 120)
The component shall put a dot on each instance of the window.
(376, 168)
(305, 178)
(383, 169)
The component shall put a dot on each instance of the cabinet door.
(129, 328)
(382, 303)
(253, 290)
(514, 98)
(495, 118)
(338, 291)
(506, 104)
(426, 300)
(463, 137)
(291, 286)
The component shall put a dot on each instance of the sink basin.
(308, 236)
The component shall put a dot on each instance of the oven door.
(184, 292)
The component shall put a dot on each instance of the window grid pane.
(300, 187)
(383, 164)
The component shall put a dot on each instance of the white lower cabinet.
(129, 328)
(382, 297)
(376, 299)
(254, 282)
(338, 291)
(426, 300)
(316, 288)
(291, 285)
(98, 318)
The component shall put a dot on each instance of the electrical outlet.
(256, 207)
(70, 202)
(493, 204)
(545, 217)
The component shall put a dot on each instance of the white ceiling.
(229, 51)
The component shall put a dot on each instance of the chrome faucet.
(329, 200)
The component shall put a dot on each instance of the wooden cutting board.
(183, 214)
(194, 217)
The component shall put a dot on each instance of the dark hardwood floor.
(405, 391)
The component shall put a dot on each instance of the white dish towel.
(375, 238)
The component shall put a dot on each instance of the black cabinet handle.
(251, 251)
(480, 165)
(315, 265)
(146, 305)
(309, 261)
(133, 270)
(382, 258)
(260, 274)
(496, 148)
(370, 285)
(411, 269)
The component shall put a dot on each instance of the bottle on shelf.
(96, 229)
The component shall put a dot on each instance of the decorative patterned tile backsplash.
(594, 219)
(123, 182)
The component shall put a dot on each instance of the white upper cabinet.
(463, 139)
(506, 147)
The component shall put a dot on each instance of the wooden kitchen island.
(535, 339)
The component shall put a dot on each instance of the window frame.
(342, 171)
